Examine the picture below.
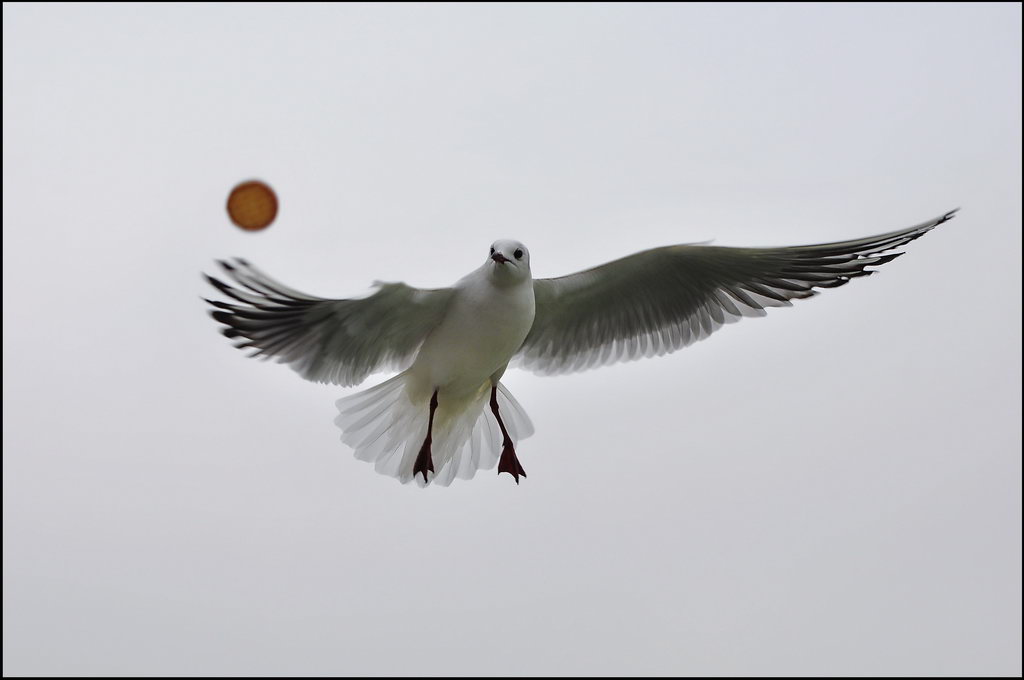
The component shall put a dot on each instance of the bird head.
(508, 262)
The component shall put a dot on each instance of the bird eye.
(518, 253)
(492, 251)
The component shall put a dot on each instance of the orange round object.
(252, 205)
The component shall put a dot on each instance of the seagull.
(446, 413)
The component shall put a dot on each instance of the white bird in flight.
(452, 345)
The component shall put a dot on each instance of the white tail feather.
(386, 425)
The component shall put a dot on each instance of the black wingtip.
(883, 259)
(221, 305)
(226, 289)
(218, 284)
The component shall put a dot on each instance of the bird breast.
(483, 327)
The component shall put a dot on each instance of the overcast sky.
(832, 489)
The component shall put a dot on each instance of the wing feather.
(658, 301)
(325, 340)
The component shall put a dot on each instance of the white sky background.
(832, 489)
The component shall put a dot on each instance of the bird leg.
(509, 462)
(423, 461)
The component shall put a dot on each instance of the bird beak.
(499, 258)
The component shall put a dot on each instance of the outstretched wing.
(661, 300)
(328, 341)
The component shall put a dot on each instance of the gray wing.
(328, 341)
(661, 300)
